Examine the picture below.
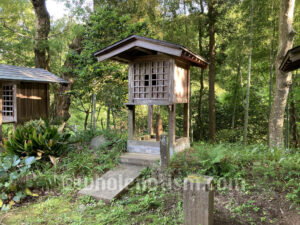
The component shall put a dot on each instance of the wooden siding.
(32, 101)
(181, 83)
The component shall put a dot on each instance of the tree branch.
(33, 38)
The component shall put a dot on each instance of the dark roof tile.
(9, 72)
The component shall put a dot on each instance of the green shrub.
(37, 138)
(229, 135)
(83, 136)
(15, 174)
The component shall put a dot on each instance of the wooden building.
(24, 93)
(291, 60)
(159, 74)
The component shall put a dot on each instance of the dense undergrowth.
(261, 170)
(275, 169)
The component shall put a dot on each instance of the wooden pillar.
(131, 121)
(187, 107)
(159, 127)
(172, 125)
(150, 119)
(164, 152)
(198, 200)
(186, 120)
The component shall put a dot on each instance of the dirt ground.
(266, 209)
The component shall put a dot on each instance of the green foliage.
(229, 135)
(104, 27)
(15, 178)
(276, 168)
(37, 138)
(81, 163)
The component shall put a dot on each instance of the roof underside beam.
(194, 59)
(291, 60)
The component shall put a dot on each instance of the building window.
(8, 103)
(146, 80)
(150, 80)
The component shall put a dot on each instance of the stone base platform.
(151, 146)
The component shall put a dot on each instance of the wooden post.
(198, 200)
(172, 119)
(164, 152)
(150, 119)
(131, 121)
(159, 127)
(186, 120)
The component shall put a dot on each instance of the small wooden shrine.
(24, 93)
(291, 60)
(159, 74)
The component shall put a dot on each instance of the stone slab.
(180, 145)
(112, 183)
(153, 147)
(139, 159)
(147, 147)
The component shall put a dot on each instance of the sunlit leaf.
(53, 159)
(30, 160)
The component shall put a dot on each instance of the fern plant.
(37, 138)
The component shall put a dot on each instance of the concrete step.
(138, 159)
(112, 183)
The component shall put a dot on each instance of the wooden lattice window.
(8, 103)
(150, 80)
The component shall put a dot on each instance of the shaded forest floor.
(254, 185)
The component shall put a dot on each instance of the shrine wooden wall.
(181, 82)
(32, 101)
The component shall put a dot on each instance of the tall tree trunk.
(87, 113)
(108, 118)
(98, 114)
(62, 100)
(114, 119)
(199, 131)
(248, 80)
(212, 58)
(42, 29)
(236, 92)
(272, 23)
(293, 119)
(287, 127)
(242, 91)
(94, 112)
(185, 24)
(283, 79)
